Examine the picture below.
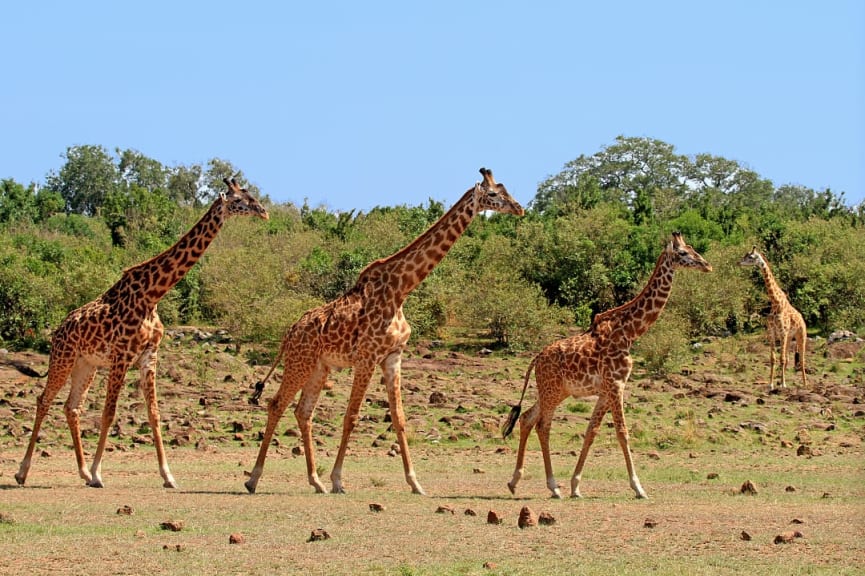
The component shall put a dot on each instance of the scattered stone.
(490, 565)
(787, 537)
(790, 489)
(748, 488)
(470, 512)
(546, 519)
(176, 547)
(373, 507)
(318, 534)
(527, 518)
(437, 398)
(786, 444)
(745, 536)
(493, 517)
(45, 454)
(650, 523)
(236, 538)
(173, 526)
(826, 495)
(796, 521)
(5, 518)
(653, 455)
(712, 476)
(125, 510)
(479, 471)
(297, 451)
(803, 450)
(445, 509)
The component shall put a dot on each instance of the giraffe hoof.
(169, 484)
(95, 484)
(512, 488)
(20, 479)
(250, 486)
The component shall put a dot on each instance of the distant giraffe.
(121, 327)
(366, 328)
(597, 363)
(783, 324)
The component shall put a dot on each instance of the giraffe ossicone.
(121, 327)
(365, 328)
(597, 363)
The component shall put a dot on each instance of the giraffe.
(122, 327)
(598, 363)
(365, 328)
(783, 323)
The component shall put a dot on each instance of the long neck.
(160, 274)
(407, 268)
(634, 318)
(776, 295)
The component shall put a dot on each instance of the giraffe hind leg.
(82, 378)
(527, 422)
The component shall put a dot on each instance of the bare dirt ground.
(699, 436)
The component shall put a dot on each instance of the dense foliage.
(589, 240)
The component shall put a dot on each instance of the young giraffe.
(783, 323)
(122, 326)
(366, 328)
(597, 363)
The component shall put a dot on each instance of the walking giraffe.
(121, 327)
(597, 363)
(363, 329)
(783, 324)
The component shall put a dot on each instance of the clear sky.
(358, 104)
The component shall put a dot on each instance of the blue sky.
(358, 104)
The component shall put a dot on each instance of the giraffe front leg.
(362, 375)
(624, 441)
(591, 431)
(147, 368)
(82, 378)
(115, 384)
(527, 423)
(392, 375)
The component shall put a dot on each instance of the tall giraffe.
(365, 328)
(783, 323)
(597, 363)
(121, 327)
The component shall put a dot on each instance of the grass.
(693, 451)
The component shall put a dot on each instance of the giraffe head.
(752, 258)
(684, 256)
(490, 195)
(239, 202)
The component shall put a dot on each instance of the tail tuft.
(511, 421)
(27, 370)
(259, 389)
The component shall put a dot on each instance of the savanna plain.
(741, 479)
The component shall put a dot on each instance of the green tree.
(87, 177)
(17, 203)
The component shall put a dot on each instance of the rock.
(803, 450)
(493, 517)
(445, 509)
(790, 489)
(318, 534)
(373, 507)
(236, 538)
(437, 398)
(546, 519)
(650, 523)
(470, 512)
(173, 526)
(745, 536)
(490, 565)
(787, 537)
(748, 488)
(712, 476)
(527, 518)
(125, 510)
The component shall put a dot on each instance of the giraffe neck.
(406, 269)
(152, 279)
(634, 318)
(776, 295)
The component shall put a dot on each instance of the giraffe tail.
(27, 370)
(518, 407)
(259, 386)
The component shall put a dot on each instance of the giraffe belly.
(583, 387)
